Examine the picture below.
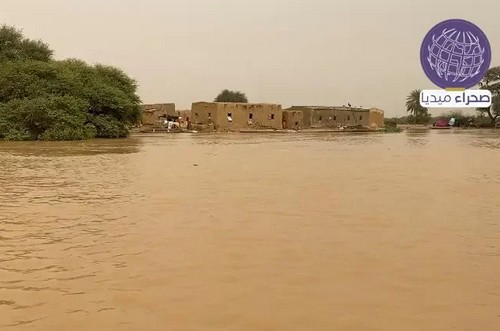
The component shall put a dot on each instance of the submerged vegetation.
(46, 99)
(391, 127)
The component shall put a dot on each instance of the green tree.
(65, 100)
(491, 82)
(413, 107)
(231, 96)
(14, 47)
(45, 118)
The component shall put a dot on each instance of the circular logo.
(455, 54)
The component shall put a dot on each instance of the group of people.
(176, 123)
(170, 125)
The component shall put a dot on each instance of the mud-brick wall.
(293, 119)
(203, 113)
(151, 112)
(237, 116)
(248, 116)
(376, 118)
(337, 117)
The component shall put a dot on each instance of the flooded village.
(249, 165)
(257, 117)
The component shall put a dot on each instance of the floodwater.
(252, 232)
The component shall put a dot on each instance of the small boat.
(443, 124)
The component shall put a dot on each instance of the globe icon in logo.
(455, 54)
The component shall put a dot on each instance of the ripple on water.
(385, 230)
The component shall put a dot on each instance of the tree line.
(46, 99)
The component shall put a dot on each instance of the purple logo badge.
(455, 54)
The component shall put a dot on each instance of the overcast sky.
(293, 52)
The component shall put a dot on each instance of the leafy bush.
(391, 129)
(14, 47)
(14, 134)
(41, 98)
(41, 114)
(109, 127)
(65, 133)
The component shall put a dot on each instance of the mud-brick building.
(236, 116)
(152, 114)
(376, 117)
(293, 119)
(332, 117)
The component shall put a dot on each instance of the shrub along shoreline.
(46, 99)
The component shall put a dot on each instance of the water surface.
(252, 232)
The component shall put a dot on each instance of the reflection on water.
(418, 138)
(297, 137)
(53, 149)
(486, 143)
(484, 139)
(267, 232)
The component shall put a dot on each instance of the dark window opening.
(296, 123)
(250, 116)
(229, 114)
(334, 118)
(348, 118)
(196, 114)
(321, 118)
(360, 117)
(272, 116)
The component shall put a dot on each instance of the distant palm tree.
(413, 104)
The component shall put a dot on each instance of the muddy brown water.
(252, 232)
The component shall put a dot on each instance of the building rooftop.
(158, 104)
(328, 108)
(237, 103)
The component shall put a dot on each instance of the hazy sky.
(293, 52)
